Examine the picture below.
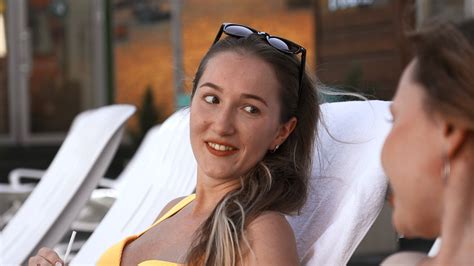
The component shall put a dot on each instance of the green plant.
(148, 116)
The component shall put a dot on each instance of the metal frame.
(100, 52)
(8, 136)
(469, 8)
(19, 68)
(423, 8)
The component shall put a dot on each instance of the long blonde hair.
(279, 181)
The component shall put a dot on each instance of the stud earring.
(446, 169)
(276, 148)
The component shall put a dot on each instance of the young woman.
(429, 153)
(253, 119)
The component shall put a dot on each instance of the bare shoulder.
(272, 241)
(404, 258)
(168, 207)
(268, 221)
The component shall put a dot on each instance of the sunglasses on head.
(281, 44)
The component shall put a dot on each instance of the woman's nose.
(223, 122)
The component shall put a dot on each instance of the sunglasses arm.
(218, 36)
(303, 63)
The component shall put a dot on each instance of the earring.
(446, 169)
(276, 148)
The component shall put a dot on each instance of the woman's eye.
(251, 109)
(211, 99)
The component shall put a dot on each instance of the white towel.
(347, 186)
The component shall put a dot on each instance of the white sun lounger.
(49, 210)
(348, 184)
(162, 169)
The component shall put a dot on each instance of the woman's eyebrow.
(244, 95)
(255, 97)
(212, 85)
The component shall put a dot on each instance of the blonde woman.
(253, 120)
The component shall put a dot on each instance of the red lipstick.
(220, 153)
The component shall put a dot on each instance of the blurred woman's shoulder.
(404, 258)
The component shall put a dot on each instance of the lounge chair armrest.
(107, 182)
(15, 176)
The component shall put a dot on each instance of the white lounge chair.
(15, 193)
(162, 169)
(49, 210)
(434, 250)
(348, 184)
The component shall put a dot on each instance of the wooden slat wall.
(365, 39)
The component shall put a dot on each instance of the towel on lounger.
(347, 186)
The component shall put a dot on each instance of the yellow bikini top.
(113, 255)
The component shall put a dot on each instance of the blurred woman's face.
(412, 158)
(235, 115)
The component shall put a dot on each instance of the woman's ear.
(455, 136)
(283, 132)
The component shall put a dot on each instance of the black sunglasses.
(281, 44)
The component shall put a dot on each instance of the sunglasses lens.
(280, 44)
(236, 30)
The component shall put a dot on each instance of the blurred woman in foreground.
(429, 153)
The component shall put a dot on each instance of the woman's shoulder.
(269, 220)
(404, 258)
(168, 206)
(272, 240)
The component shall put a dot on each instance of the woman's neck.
(210, 191)
(457, 229)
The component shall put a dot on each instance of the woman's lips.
(219, 149)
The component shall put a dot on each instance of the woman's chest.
(168, 241)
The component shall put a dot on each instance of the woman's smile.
(221, 149)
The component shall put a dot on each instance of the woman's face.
(412, 157)
(235, 115)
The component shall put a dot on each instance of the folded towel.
(347, 186)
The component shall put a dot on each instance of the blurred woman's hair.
(280, 181)
(444, 66)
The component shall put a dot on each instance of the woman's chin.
(415, 228)
(402, 226)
